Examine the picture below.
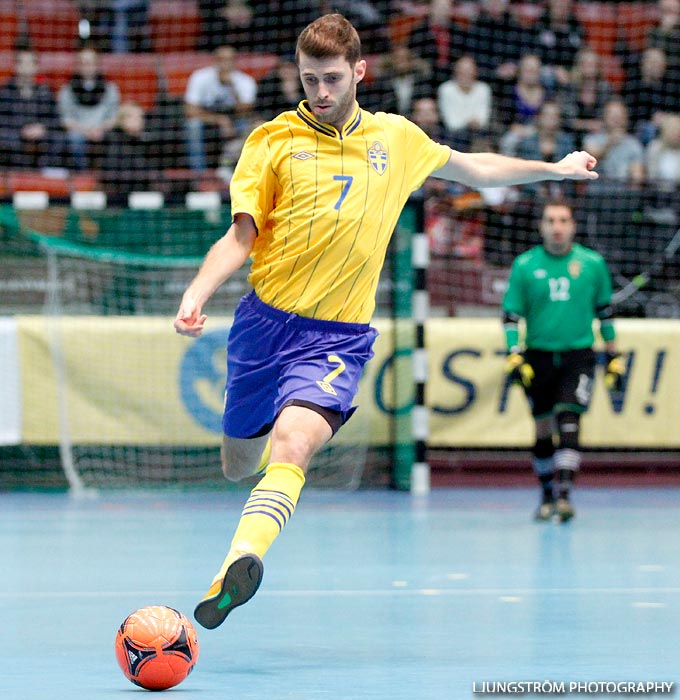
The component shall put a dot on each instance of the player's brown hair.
(328, 36)
(557, 200)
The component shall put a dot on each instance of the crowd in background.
(535, 89)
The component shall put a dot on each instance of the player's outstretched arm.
(221, 261)
(495, 170)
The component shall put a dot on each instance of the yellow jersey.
(325, 204)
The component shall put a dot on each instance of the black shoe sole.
(239, 585)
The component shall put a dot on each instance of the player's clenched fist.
(578, 165)
(189, 320)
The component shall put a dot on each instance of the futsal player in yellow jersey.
(314, 198)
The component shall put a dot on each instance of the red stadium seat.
(463, 14)
(135, 74)
(9, 24)
(84, 182)
(373, 61)
(635, 21)
(177, 67)
(56, 67)
(400, 27)
(6, 66)
(600, 23)
(52, 24)
(257, 64)
(32, 181)
(210, 182)
(55, 186)
(175, 25)
(613, 71)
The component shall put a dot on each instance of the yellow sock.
(264, 459)
(266, 512)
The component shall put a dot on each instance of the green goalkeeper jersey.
(559, 297)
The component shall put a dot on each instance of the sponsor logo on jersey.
(304, 155)
(540, 274)
(377, 157)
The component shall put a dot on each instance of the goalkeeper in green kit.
(558, 288)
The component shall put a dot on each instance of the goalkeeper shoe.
(546, 510)
(564, 511)
(238, 586)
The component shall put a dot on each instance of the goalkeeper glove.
(518, 369)
(615, 368)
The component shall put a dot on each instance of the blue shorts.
(275, 358)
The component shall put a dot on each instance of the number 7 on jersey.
(347, 180)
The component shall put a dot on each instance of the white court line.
(348, 593)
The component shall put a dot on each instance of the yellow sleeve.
(425, 154)
(252, 186)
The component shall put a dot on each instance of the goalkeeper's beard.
(558, 247)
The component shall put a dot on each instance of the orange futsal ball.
(156, 647)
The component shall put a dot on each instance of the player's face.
(330, 85)
(557, 229)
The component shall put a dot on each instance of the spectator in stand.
(496, 41)
(662, 156)
(425, 114)
(368, 19)
(30, 136)
(219, 102)
(130, 161)
(88, 109)
(558, 37)
(166, 123)
(268, 25)
(431, 38)
(666, 34)
(464, 104)
(652, 95)
(118, 25)
(451, 229)
(272, 25)
(611, 203)
(402, 78)
(280, 90)
(518, 108)
(584, 97)
(230, 22)
(620, 154)
(549, 142)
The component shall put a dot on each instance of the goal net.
(548, 78)
(138, 405)
(586, 65)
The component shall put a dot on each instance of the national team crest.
(377, 157)
(574, 268)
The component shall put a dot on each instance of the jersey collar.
(308, 118)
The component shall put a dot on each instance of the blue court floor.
(366, 595)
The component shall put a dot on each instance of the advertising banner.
(10, 402)
(132, 380)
